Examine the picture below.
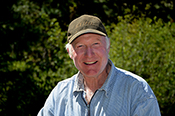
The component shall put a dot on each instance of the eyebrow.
(97, 38)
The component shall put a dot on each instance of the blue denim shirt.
(122, 94)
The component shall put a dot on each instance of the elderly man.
(99, 88)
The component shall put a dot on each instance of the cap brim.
(84, 32)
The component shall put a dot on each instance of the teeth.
(89, 62)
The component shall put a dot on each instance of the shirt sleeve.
(149, 107)
(55, 103)
(47, 110)
(144, 101)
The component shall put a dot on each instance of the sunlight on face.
(90, 55)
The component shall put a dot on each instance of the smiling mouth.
(90, 63)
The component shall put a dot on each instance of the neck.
(92, 84)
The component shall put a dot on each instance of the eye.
(79, 46)
(96, 44)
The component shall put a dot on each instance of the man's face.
(90, 54)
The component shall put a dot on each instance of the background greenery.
(33, 58)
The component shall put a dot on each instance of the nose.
(89, 52)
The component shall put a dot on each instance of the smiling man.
(99, 88)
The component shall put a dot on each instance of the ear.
(109, 46)
(70, 54)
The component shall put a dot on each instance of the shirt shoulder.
(65, 85)
(130, 75)
(136, 83)
(58, 97)
(140, 94)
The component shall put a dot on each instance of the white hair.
(69, 47)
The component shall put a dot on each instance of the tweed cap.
(85, 24)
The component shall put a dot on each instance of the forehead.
(89, 37)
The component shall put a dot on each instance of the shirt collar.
(79, 82)
(106, 85)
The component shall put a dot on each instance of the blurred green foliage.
(33, 58)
